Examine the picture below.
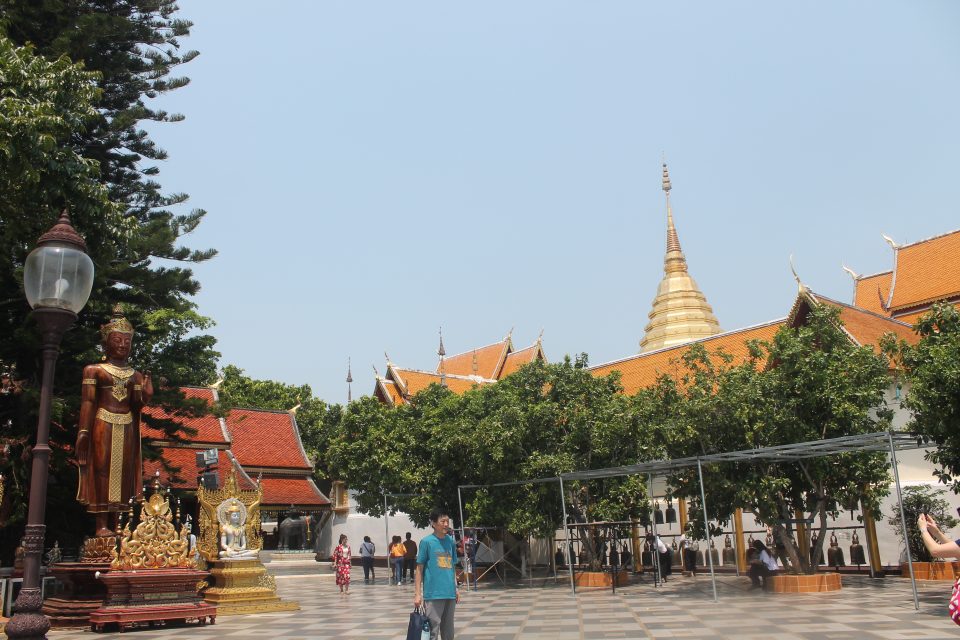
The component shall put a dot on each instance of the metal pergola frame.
(881, 441)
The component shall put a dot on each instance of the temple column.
(739, 541)
(870, 531)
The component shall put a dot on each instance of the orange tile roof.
(209, 429)
(416, 381)
(266, 439)
(640, 371)
(388, 389)
(296, 491)
(867, 327)
(489, 360)
(926, 271)
(871, 292)
(183, 471)
(517, 359)
(912, 317)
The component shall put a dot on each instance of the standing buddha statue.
(108, 443)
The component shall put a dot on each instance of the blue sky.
(374, 170)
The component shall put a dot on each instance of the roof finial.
(890, 241)
(387, 356)
(540, 337)
(349, 382)
(375, 372)
(793, 270)
(442, 352)
(666, 179)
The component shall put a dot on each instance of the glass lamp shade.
(58, 275)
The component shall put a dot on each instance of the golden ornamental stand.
(239, 585)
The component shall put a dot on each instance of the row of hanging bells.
(658, 514)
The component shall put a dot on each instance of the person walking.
(435, 586)
(409, 558)
(341, 564)
(367, 552)
(397, 551)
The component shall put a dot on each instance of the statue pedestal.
(83, 593)
(152, 595)
(244, 586)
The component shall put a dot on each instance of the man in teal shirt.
(435, 585)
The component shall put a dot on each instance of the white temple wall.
(357, 525)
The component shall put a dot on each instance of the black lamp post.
(57, 279)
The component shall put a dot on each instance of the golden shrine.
(153, 577)
(229, 543)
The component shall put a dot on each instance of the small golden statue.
(230, 542)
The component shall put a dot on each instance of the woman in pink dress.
(341, 564)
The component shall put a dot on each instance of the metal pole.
(28, 621)
(566, 535)
(386, 530)
(655, 551)
(903, 521)
(706, 523)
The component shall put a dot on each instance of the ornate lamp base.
(244, 586)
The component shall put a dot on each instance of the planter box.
(932, 570)
(600, 579)
(816, 583)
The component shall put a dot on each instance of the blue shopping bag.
(419, 626)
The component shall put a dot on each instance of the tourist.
(409, 558)
(435, 586)
(664, 555)
(397, 551)
(688, 547)
(939, 545)
(367, 552)
(762, 565)
(341, 564)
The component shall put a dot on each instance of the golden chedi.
(230, 543)
(680, 311)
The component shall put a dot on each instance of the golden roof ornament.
(680, 311)
(118, 324)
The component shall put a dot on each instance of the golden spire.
(680, 311)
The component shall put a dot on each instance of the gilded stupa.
(680, 311)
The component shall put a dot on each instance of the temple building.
(459, 373)
(261, 445)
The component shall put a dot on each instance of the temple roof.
(640, 371)
(864, 327)
(299, 491)
(680, 311)
(269, 439)
(925, 272)
(519, 358)
(486, 360)
(871, 292)
(181, 470)
(210, 430)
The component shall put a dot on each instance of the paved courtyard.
(683, 608)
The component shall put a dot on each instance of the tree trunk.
(817, 551)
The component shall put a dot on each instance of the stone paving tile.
(683, 608)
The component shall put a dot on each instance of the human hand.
(83, 446)
(418, 600)
(458, 596)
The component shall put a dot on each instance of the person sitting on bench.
(762, 565)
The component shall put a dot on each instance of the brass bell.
(729, 554)
(671, 512)
(657, 513)
(856, 551)
(835, 553)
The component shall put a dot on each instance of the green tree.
(543, 420)
(933, 371)
(917, 500)
(315, 418)
(74, 140)
(810, 383)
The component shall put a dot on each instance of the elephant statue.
(292, 531)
